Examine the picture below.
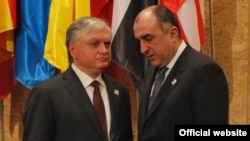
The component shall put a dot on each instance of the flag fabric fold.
(60, 17)
(6, 74)
(8, 15)
(62, 13)
(189, 14)
(173, 5)
(102, 9)
(30, 66)
(7, 27)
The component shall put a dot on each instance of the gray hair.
(83, 25)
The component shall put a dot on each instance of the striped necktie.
(160, 76)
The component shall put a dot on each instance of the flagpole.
(211, 28)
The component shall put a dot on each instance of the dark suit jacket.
(195, 92)
(60, 110)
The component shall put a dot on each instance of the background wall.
(227, 42)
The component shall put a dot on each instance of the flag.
(30, 66)
(62, 13)
(6, 74)
(190, 14)
(7, 26)
(125, 48)
(102, 9)
(8, 15)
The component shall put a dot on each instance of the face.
(92, 52)
(157, 46)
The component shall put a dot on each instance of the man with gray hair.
(82, 103)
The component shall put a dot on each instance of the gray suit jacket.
(195, 92)
(60, 110)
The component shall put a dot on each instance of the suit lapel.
(170, 83)
(81, 97)
(113, 95)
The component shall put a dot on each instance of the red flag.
(173, 5)
(7, 26)
(189, 14)
(6, 74)
(102, 9)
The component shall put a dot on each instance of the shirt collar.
(85, 79)
(177, 54)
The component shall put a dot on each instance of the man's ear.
(174, 32)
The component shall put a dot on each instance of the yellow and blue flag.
(30, 66)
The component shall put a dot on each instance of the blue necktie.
(160, 76)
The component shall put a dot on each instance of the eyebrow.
(146, 36)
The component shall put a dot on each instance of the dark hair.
(165, 16)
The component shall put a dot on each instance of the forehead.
(146, 23)
(100, 33)
(95, 35)
(146, 17)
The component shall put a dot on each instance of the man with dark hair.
(182, 86)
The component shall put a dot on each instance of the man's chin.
(103, 67)
(154, 63)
